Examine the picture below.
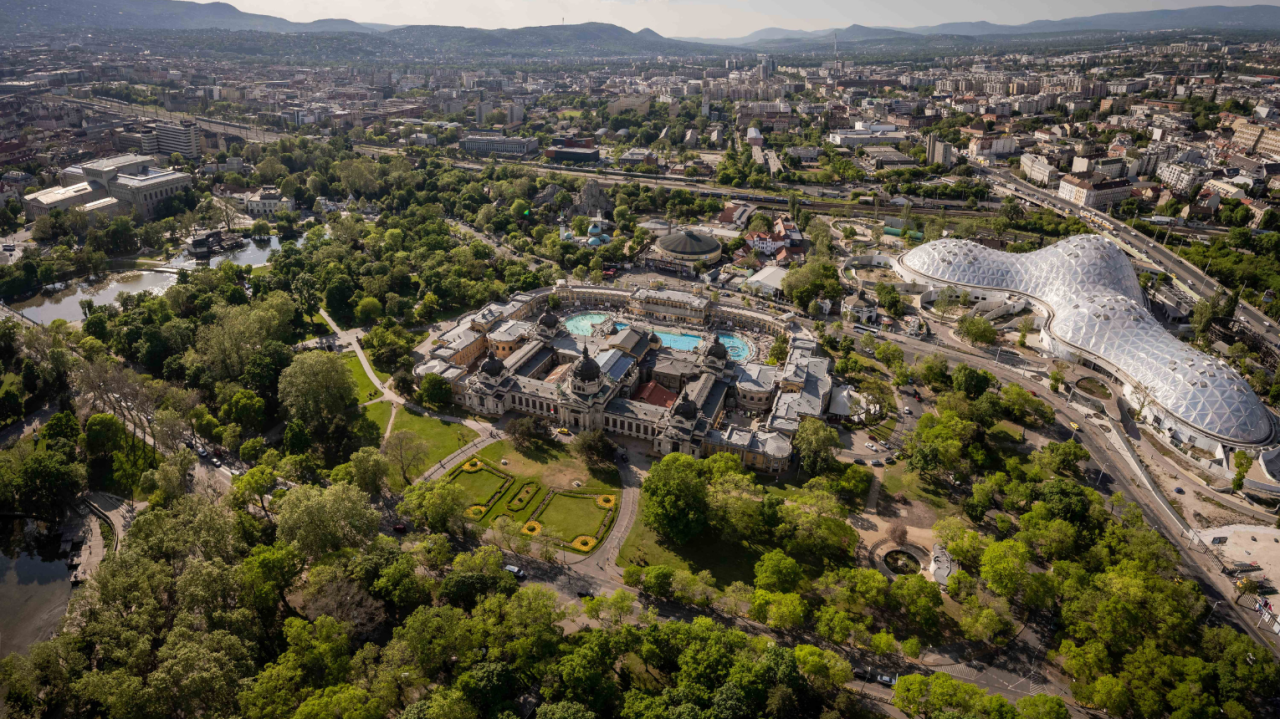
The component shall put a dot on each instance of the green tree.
(776, 572)
(316, 389)
(977, 330)
(1004, 567)
(368, 311)
(436, 390)
(319, 521)
(814, 440)
(675, 495)
(435, 505)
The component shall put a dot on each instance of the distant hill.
(591, 38)
(1220, 17)
(1216, 17)
(776, 37)
(22, 15)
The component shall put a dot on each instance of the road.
(1110, 473)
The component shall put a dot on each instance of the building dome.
(717, 349)
(686, 408)
(689, 245)
(492, 366)
(594, 230)
(595, 241)
(587, 369)
(549, 320)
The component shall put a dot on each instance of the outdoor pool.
(581, 324)
(739, 349)
(688, 343)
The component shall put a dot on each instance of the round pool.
(739, 349)
(582, 324)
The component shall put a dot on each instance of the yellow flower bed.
(532, 529)
(474, 465)
(475, 511)
(584, 543)
(606, 501)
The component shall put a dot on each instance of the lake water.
(35, 586)
(65, 305)
(254, 252)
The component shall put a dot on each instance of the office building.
(182, 138)
(497, 145)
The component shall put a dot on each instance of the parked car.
(870, 446)
(906, 410)
(400, 529)
(859, 460)
(1178, 490)
(585, 594)
(877, 463)
(887, 680)
(217, 462)
(518, 572)
(202, 452)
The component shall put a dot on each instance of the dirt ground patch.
(1197, 505)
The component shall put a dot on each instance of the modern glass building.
(1096, 314)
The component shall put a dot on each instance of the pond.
(255, 251)
(901, 562)
(65, 305)
(35, 585)
(581, 324)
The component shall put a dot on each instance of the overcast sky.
(701, 18)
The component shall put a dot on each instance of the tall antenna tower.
(835, 43)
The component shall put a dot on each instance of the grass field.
(549, 462)
(522, 516)
(568, 517)
(12, 382)
(727, 561)
(898, 479)
(480, 486)
(365, 390)
(382, 376)
(1006, 431)
(443, 438)
(379, 412)
(884, 430)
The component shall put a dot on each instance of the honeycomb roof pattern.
(1098, 307)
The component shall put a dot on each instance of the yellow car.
(1074, 425)
(562, 430)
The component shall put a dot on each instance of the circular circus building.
(1096, 314)
(679, 251)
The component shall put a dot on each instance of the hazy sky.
(701, 18)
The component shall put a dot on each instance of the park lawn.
(443, 438)
(365, 390)
(567, 517)
(1006, 431)
(898, 479)
(382, 376)
(550, 462)
(728, 561)
(884, 430)
(479, 486)
(521, 517)
(13, 382)
(261, 270)
(379, 412)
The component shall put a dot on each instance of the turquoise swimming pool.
(581, 324)
(739, 349)
(688, 343)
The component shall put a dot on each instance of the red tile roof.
(655, 394)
